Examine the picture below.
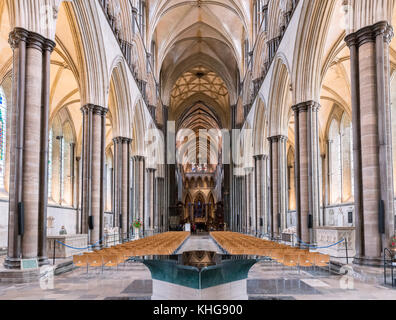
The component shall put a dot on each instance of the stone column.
(250, 208)
(93, 159)
(138, 175)
(278, 163)
(372, 136)
(325, 186)
(239, 204)
(243, 202)
(159, 202)
(307, 169)
(125, 187)
(121, 167)
(78, 195)
(149, 202)
(261, 193)
(117, 143)
(28, 186)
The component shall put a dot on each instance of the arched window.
(3, 136)
(290, 178)
(109, 182)
(341, 161)
(347, 159)
(335, 168)
(61, 160)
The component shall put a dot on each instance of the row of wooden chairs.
(239, 244)
(163, 244)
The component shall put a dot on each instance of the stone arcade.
(274, 118)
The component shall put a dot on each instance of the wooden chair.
(95, 260)
(322, 260)
(290, 260)
(111, 260)
(81, 261)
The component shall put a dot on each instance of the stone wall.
(58, 217)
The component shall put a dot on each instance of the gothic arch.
(310, 43)
(139, 129)
(280, 98)
(120, 90)
(260, 129)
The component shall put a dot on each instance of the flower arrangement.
(137, 224)
(393, 242)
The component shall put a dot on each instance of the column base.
(12, 263)
(376, 262)
(43, 261)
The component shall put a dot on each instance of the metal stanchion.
(346, 250)
(53, 258)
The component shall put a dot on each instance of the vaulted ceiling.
(200, 80)
(190, 34)
(200, 62)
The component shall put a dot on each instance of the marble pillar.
(125, 186)
(261, 193)
(138, 189)
(372, 136)
(278, 185)
(121, 184)
(159, 202)
(249, 194)
(307, 169)
(28, 184)
(93, 172)
(150, 203)
(117, 144)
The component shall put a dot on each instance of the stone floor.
(267, 281)
(197, 243)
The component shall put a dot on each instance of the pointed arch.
(280, 98)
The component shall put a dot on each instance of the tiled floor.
(266, 281)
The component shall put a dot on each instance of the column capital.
(385, 29)
(32, 39)
(151, 170)
(248, 170)
(35, 41)
(16, 36)
(117, 140)
(100, 110)
(278, 138)
(137, 158)
(121, 140)
(260, 157)
(49, 45)
(305, 106)
(370, 33)
(95, 109)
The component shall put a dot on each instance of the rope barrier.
(315, 247)
(91, 246)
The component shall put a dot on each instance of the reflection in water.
(199, 269)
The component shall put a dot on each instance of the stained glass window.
(3, 135)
